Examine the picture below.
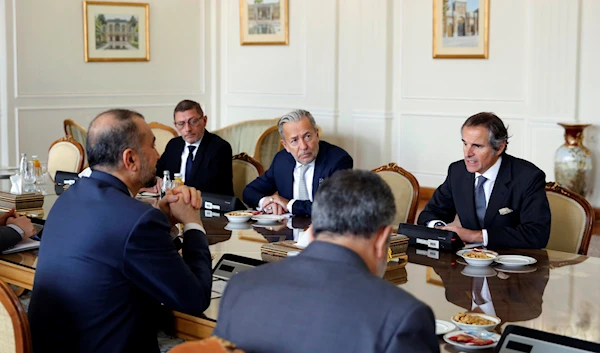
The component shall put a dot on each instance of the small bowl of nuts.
(475, 321)
(238, 216)
(478, 257)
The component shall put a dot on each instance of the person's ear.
(501, 148)
(285, 145)
(129, 158)
(382, 239)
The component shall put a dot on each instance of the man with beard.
(500, 200)
(107, 261)
(331, 298)
(297, 172)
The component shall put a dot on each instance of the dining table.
(557, 293)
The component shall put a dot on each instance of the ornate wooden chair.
(406, 191)
(244, 135)
(65, 154)
(267, 146)
(78, 132)
(245, 170)
(15, 335)
(572, 220)
(163, 134)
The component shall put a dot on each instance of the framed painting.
(461, 28)
(264, 22)
(115, 31)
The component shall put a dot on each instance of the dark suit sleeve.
(416, 333)
(533, 229)
(304, 207)
(260, 187)
(8, 237)
(152, 263)
(440, 206)
(221, 171)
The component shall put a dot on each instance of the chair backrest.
(267, 146)
(78, 132)
(15, 335)
(406, 191)
(65, 154)
(211, 344)
(245, 170)
(572, 220)
(243, 136)
(163, 135)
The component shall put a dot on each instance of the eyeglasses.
(193, 122)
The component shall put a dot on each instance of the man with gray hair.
(331, 298)
(296, 173)
(500, 200)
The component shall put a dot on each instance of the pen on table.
(35, 237)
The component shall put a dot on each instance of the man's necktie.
(188, 164)
(302, 191)
(480, 206)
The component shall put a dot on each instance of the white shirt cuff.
(485, 237)
(18, 229)
(196, 226)
(290, 204)
(260, 203)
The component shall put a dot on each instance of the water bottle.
(166, 183)
(23, 164)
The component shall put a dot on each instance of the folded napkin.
(16, 184)
(85, 173)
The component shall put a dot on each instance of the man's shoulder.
(331, 149)
(216, 140)
(523, 166)
(175, 143)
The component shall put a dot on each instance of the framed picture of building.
(115, 31)
(461, 28)
(264, 22)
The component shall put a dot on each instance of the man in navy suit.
(13, 229)
(204, 159)
(296, 172)
(331, 297)
(500, 200)
(107, 261)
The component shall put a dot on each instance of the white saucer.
(442, 327)
(515, 260)
(267, 218)
(481, 334)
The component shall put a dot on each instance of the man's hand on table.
(6, 215)
(466, 235)
(275, 204)
(24, 223)
(181, 205)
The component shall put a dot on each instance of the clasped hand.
(11, 217)
(275, 204)
(181, 205)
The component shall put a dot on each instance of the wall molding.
(373, 114)
(110, 95)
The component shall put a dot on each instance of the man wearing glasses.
(204, 159)
(297, 172)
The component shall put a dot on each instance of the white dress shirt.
(308, 179)
(184, 156)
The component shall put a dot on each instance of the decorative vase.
(573, 162)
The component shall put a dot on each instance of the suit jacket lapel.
(469, 195)
(200, 153)
(319, 166)
(500, 190)
(287, 177)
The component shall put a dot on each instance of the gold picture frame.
(115, 31)
(461, 28)
(264, 22)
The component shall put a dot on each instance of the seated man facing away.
(13, 229)
(202, 158)
(331, 297)
(107, 260)
(297, 172)
(500, 200)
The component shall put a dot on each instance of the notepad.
(23, 245)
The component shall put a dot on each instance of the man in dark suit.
(107, 261)
(500, 200)
(204, 159)
(13, 229)
(296, 172)
(331, 297)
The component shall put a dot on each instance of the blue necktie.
(480, 206)
(188, 164)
